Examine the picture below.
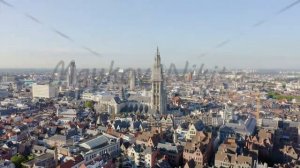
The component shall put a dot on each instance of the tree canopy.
(18, 160)
(89, 104)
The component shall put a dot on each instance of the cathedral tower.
(158, 98)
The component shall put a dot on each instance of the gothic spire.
(157, 58)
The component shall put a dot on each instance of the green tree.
(18, 160)
(30, 157)
(284, 86)
(89, 104)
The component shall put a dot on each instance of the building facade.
(99, 146)
(43, 91)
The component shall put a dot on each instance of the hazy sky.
(128, 32)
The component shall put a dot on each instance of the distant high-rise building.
(8, 79)
(71, 76)
(132, 80)
(194, 71)
(158, 98)
(43, 91)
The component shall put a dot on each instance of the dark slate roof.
(117, 100)
(121, 124)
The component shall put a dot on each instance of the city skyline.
(153, 84)
(235, 35)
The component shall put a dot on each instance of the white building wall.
(43, 91)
